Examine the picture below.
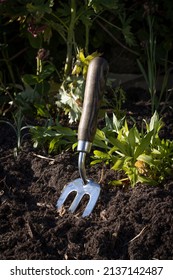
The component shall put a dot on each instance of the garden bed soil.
(125, 224)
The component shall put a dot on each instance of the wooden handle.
(94, 88)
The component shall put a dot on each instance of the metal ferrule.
(84, 146)
(81, 167)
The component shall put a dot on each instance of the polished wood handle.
(94, 88)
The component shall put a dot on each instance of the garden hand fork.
(95, 84)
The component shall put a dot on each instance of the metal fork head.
(91, 189)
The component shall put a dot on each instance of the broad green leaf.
(131, 139)
(96, 161)
(116, 182)
(108, 122)
(47, 71)
(100, 144)
(149, 181)
(118, 164)
(47, 34)
(146, 158)
(117, 124)
(52, 144)
(137, 135)
(126, 128)
(121, 146)
(128, 35)
(81, 56)
(154, 121)
(112, 150)
(66, 131)
(155, 152)
(74, 146)
(155, 124)
(145, 142)
(100, 154)
(93, 55)
(132, 174)
(35, 42)
(100, 135)
(30, 79)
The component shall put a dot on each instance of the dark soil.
(125, 224)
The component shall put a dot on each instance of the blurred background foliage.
(46, 46)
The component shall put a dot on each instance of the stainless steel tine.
(71, 187)
(79, 194)
(93, 197)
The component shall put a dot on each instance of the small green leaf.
(95, 161)
(81, 56)
(131, 139)
(52, 144)
(108, 122)
(116, 183)
(100, 154)
(30, 79)
(118, 164)
(47, 71)
(35, 42)
(120, 145)
(146, 158)
(145, 142)
(100, 135)
(74, 146)
(100, 140)
(66, 131)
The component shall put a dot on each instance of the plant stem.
(151, 54)
(70, 38)
(39, 65)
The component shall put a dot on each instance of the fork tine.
(92, 202)
(75, 202)
(75, 186)
(66, 191)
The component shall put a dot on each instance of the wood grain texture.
(94, 88)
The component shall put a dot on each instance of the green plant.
(70, 97)
(150, 72)
(150, 75)
(39, 89)
(53, 137)
(142, 155)
(71, 91)
(117, 97)
(17, 128)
